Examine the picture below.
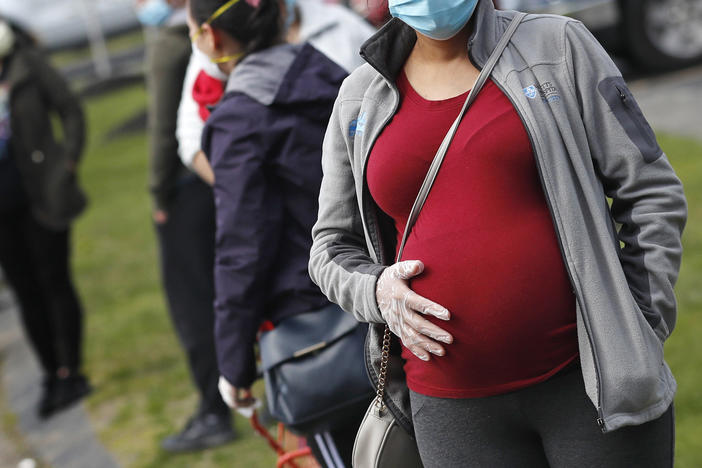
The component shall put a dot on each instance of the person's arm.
(201, 167)
(168, 52)
(249, 219)
(343, 269)
(55, 89)
(340, 263)
(190, 125)
(647, 197)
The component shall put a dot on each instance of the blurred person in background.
(264, 144)
(334, 30)
(39, 199)
(184, 218)
(375, 11)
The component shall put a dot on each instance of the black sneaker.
(201, 432)
(46, 402)
(61, 393)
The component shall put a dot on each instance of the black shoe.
(46, 402)
(61, 393)
(201, 432)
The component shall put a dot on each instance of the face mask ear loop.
(227, 58)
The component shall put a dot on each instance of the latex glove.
(402, 310)
(239, 399)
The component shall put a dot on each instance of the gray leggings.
(552, 424)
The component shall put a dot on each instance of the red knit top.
(487, 241)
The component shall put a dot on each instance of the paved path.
(9, 456)
(66, 440)
(672, 103)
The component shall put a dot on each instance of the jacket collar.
(388, 49)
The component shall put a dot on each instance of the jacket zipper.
(600, 416)
(366, 191)
(389, 404)
(626, 102)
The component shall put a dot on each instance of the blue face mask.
(154, 12)
(438, 19)
(291, 14)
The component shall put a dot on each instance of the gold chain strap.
(382, 376)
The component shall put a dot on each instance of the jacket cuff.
(244, 378)
(373, 312)
(160, 199)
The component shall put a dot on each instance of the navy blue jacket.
(264, 141)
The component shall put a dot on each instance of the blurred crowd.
(189, 74)
(186, 60)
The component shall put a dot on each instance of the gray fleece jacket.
(591, 142)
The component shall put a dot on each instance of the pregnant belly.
(512, 308)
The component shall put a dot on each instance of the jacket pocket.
(629, 115)
(653, 321)
(64, 198)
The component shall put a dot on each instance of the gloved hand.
(402, 310)
(239, 399)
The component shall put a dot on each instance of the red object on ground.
(487, 240)
(277, 444)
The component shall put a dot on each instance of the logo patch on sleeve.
(358, 126)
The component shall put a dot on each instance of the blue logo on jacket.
(547, 91)
(358, 126)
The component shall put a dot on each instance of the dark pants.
(187, 266)
(36, 265)
(333, 449)
(552, 424)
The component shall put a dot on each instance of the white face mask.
(206, 64)
(7, 39)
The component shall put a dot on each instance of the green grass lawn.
(143, 388)
(684, 348)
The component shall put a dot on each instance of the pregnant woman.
(529, 336)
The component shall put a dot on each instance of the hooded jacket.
(591, 142)
(264, 142)
(37, 91)
(334, 30)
